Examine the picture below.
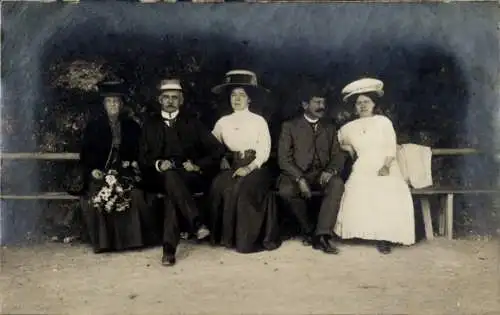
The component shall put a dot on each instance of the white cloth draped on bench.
(415, 162)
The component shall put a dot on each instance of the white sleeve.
(263, 145)
(343, 139)
(390, 137)
(341, 136)
(157, 165)
(217, 131)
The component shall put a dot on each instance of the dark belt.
(240, 159)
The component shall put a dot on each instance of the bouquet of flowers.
(116, 190)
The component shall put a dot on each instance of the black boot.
(168, 258)
(308, 239)
(322, 242)
(199, 230)
(384, 247)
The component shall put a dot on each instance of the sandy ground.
(438, 277)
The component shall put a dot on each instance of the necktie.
(314, 126)
(169, 122)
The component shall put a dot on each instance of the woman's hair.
(249, 92)
(351, 101)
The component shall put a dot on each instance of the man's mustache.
(320, 110)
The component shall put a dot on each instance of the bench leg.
(426, 214)
(442, 214)
(449, 216)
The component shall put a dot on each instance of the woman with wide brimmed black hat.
(113, 208)
(243, 211)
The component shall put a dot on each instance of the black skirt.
(243, 213)
(116, 231)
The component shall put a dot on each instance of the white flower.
(121, 207)
(110, 180)
(125, 164)
(106, 189)
(105, 193)
(108, 206)
(119, 189)
(135, 164)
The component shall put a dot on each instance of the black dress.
(243, 212)
(109, 231)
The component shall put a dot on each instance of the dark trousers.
(179, 204)
(332, 195)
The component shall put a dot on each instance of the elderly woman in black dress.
(114, 220)
(243, 214)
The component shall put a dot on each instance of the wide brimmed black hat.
(112, 87)
(239, 78)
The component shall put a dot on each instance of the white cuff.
(157, 165)
(254, 165)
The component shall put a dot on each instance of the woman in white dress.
(377, 203)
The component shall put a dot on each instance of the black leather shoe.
(322, 243)
(384, 247)
(307, 240)
(168, 258)
(271, 246)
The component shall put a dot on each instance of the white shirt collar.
(172, 115)
(312, 121)
(240, 113)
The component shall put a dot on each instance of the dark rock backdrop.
(439, 63)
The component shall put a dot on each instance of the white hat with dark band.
(170, 84)
(238, 78)
(362, 86)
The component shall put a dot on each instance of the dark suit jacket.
(198, 143)
(296, 147)
(96, 143)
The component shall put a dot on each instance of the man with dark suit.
(310, 157)
(179, 157)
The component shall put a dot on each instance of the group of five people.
(179, 157)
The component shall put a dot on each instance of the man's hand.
(165, 165)
(384, 171)
(242, 172)
(224, 164)
(325, 178)
(305, 191)
(190, 167)
(97, 174)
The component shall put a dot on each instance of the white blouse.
(244, 130)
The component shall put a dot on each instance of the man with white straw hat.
(180, 155)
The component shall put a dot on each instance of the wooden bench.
(445, 195)
(446, 210)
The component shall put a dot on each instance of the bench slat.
(76, 156)
(39, 156)
(58, 196)
(460, 191)
(43, 196)
(423, 191)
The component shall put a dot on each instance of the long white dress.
(374, 207)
